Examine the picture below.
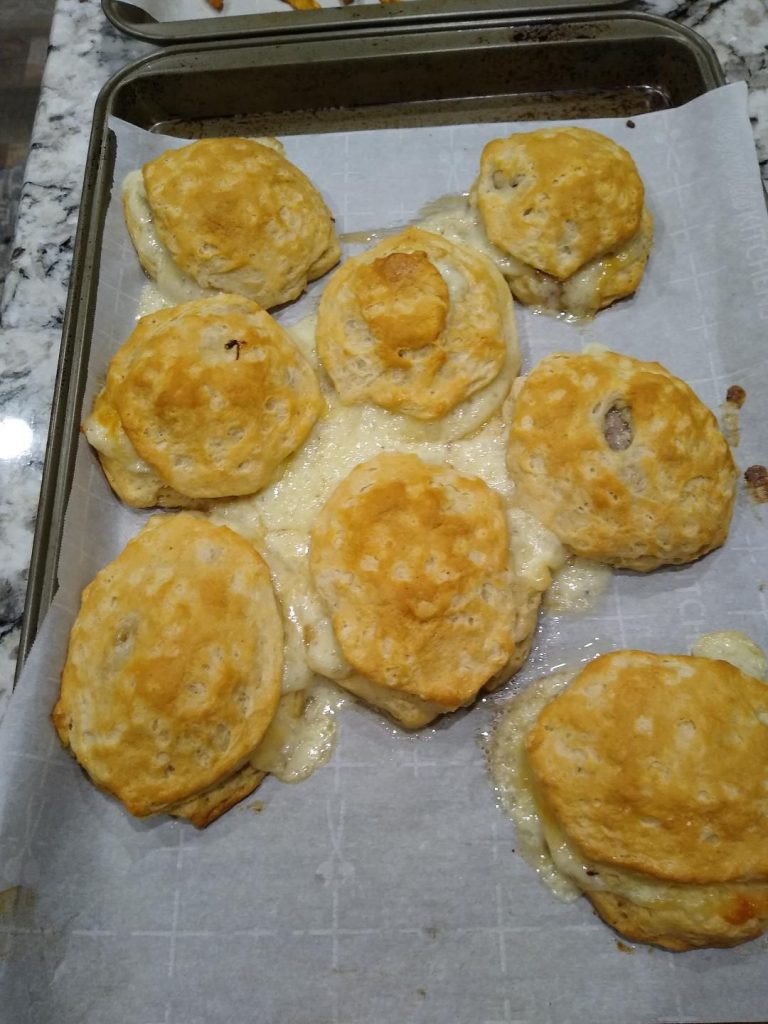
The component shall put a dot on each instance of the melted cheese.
(302, 736)
(279, 519)
(538, 552)
(577, 585)
(455, 219)
(152, 299)
(511, 779)
(171, 280)
(115, 445)
(736, 648)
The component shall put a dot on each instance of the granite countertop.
(85, 51)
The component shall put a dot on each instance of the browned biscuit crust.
(413, 562)
(174, 665)
(658, 764)
(416, 325)
(213, 395)
(556, 198)
(611, 276)
(202, 810)
(718, 916)
(621, 460)
(237, 216)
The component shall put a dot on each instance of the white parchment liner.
(385, 889)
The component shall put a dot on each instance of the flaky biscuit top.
(621, 460)
(658, 764)
(417, 325)
(557, 198)
(413, 562)
(174, 666)
(237, 216)
(213, 395)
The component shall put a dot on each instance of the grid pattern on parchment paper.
(385, 888)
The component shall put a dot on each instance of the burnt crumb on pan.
(630, 124)
(757, 483)
(729, 410)
(623, 947)
(617, 428)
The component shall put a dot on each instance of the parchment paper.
(385, 889)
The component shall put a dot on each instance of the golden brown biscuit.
(174, 668)
(417, 325)
(204, 400)
(689, 917)
(597, 284)
(567, 205)
(237, 216)
(413, 562)
(206, 808)
(650, 773)
(414, 712)
(621, 460)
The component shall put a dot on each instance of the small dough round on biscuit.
(204, 400)
(236, 216)
(651, 771)
(173, 672)
(621, 461)
(413, 562)
(567, 204)
(419, 325)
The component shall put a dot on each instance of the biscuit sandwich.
(640, 781)
(620, 460)
(421, 327)
(414, 566)
(230, 215)
(204, 400)
(174, 671)
(565, 208)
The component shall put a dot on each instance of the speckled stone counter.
(85, 51)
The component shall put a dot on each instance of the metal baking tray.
(509, 69)
(352, 18)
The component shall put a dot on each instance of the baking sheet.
(385, 888)
(179, 20)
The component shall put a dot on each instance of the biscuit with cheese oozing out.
(413, 562)
(566, 206)
(204, 400)
(621, 460)
(173, 671)
(649, 776)
(423, 327)
(231, 215)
